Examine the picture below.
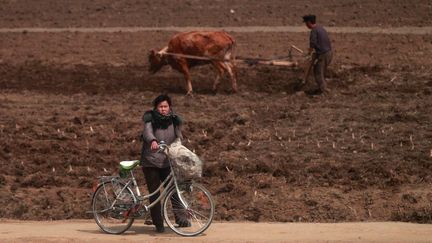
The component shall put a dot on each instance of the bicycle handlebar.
(162, 146)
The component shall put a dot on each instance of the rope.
(247, 60)
(195, 57)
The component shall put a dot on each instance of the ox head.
(156, 60)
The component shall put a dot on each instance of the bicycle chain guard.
(135, 211)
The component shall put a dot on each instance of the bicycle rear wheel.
(110, 205)
(193, 218)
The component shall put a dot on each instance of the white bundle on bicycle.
(185, 164)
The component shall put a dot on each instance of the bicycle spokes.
(110, 207)
(190, 218)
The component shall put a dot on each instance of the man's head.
(309, 20)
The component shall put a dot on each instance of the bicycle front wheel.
(191, 212)
(111, 203)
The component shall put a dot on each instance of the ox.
(189, 49)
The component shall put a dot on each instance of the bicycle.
(187, 207)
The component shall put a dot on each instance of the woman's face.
(163, 108)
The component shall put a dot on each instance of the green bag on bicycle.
(127, 166)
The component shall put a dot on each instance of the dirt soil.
(87, 231)
(220, 13)
(71, 105)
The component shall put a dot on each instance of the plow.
(287, 61)
(306, 62)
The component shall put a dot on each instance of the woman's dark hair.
(160, 99)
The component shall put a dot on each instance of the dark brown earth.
(220, 13)
(71, 106)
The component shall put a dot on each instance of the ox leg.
(230, 67)
(185, 70)
(188, 82)
(219, 74)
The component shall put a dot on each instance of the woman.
(160, 124)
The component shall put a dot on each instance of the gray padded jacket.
(150, 158)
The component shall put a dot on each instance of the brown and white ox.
(215, 48)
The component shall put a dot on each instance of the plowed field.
(71, 106)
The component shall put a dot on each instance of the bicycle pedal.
(148, 222)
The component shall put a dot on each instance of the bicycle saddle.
(129, 164)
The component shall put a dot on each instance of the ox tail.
(233, 57)
(231, 54)
(232, 48)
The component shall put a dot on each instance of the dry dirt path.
(242, 29)
(87, 231)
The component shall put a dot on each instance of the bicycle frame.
(132, 182)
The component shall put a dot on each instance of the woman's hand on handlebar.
(154, 145)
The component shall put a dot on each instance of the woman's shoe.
(160, 228)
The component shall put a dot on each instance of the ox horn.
(163, 51)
